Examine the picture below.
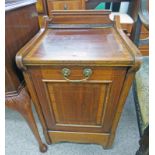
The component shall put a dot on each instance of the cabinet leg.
(22, 104)
(110, 141)
(28, 115)
(48, 140)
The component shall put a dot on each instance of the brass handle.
(65, 6)
(86, 72)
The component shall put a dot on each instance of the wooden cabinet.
(65, 5)
(79, 76)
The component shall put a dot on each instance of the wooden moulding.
(15, 92)
(79, 137)
(80, 17)
(79, 12)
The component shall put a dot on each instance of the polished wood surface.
(84, 106)
(80, 17)
(41, 7)
(79, 137)
(88, 40)
(84, 5)
(20, 28)
(65, 5)
(21, 25)
(22, 104)
(77, 108)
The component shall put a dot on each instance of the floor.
(20, 141)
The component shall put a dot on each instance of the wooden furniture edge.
(79, 137)
(19, 61)
(125, 91)
(129, 76)
(17, 92)
(37, 105)
(80, 12)
(25, 49)
(18, 4)
(134, 51)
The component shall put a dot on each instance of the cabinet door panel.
(78, 103)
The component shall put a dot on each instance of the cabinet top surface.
(96, 45)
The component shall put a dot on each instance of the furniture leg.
(22, 104)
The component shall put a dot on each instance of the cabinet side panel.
(21, 25)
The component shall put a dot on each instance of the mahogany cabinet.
(79, 72)
(21, 24)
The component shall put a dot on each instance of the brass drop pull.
(66, 72)
(65, 6)
(87, 72)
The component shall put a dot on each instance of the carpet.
(20, 141)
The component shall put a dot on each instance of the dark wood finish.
(76, 109)
(20, 28)
(21, 25)
(21, 104)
